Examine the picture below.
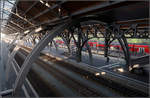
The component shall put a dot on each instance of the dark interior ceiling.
(35, 13)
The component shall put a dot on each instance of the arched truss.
(30, 37)
(35, 52)
(84, 31)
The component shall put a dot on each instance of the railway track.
(57, 78)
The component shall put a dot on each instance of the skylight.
(5, 4)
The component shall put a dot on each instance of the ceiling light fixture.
(47, 5)
(27, 31)
(59, 9)
(103, 73)
(136, 66)
(42, 1)
(38, 29)
(97, 74)
(120, 69)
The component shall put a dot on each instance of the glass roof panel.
(11, 1)
(6, 5)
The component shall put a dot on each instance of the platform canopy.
(18, 16)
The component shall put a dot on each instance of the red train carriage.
(140, 48)
(132, 47)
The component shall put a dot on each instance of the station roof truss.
(22, 15)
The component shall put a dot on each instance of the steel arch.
(34, 54)
(49, 37)
(108, 35)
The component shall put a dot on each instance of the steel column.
(79, 54)
(55, 45)
(65, 37)
(85, 37)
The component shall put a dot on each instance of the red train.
(136, 48)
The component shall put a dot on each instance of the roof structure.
(23, 15)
